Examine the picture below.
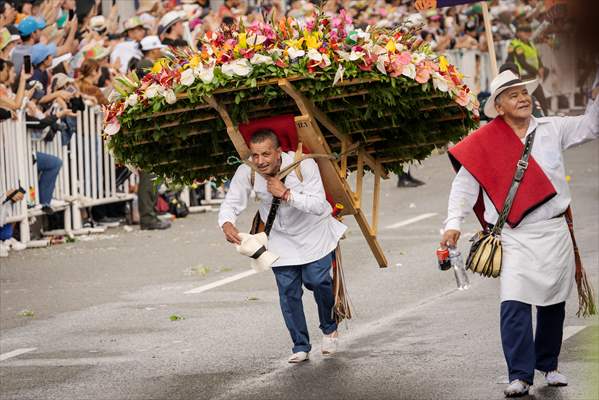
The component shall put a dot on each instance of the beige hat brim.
(491, 112)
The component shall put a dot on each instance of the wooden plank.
(309, 133)
(376, 197)
(307, 108)
(374, 245)
(359, 179)
(232, 130)
(344, 144)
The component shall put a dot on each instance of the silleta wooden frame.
(333, 172)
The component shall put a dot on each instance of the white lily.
(409, 71)
(206, 74)
(295, 53)
(339, 75)
(113, 127)
(187, 77)
(326, 60)
(344, 55)
(440, 83)
(170, 97)
(241, 67)
(255, 40)
(258, 59)
(380, 63)
(132, 100)
(314, 55)
(152, 91)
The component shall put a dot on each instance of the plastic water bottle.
(461, 278)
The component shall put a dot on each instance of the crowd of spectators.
(62, 55)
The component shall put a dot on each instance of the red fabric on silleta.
(282, 125)
(490, 154)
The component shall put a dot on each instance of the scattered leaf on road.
(26, 313)
(176, 317)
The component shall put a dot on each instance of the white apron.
(538, 263)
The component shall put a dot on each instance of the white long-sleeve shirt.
(303, 230)
(554, 134)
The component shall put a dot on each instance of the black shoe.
(158, 224)
(408, 181)
(48, 210)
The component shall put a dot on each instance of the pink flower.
(462, 98)
(423, 73)
(404, 58)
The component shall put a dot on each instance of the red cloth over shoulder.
(490, 154)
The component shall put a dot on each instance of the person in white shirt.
(304, 235)
(128, 53)
(538, 259)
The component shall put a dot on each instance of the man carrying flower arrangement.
(304, 235)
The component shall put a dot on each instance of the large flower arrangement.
(386, 83)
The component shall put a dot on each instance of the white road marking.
(221, 282)
(15, 353)
(570, 331)
(410, 221)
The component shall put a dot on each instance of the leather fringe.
(586, 297)
(342, 307)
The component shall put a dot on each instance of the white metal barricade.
(93, 170)
(62, 189)
(13, 166)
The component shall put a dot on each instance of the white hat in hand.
(254, 246)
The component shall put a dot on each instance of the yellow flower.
(157, 67)
(443, 64)
(295, 43)
(391, 46)
(194, 61)
(242, 40)
(312, 40)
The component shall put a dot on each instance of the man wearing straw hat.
(304, 235)
(538, 266)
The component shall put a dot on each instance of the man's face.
(137, 33)
(266, 156)
(524, 35)
(514, 103)
(10, 13)
(178, 29)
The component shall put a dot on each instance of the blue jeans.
(48, 167)
(315, 276)
(524, 354)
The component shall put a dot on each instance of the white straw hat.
(254, 246)
(502, 82)
(150, 43)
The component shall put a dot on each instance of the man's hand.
(450, 238)
(17, 197)
(275, 187)
(231, 233)
(595, 93)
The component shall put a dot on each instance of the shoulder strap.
(272, 213)
(520, 170)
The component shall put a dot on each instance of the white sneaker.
(299, 357)
(554, 378)
(517, 388)
(329, 345)
(15, 245)
(4, 249)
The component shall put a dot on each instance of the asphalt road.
(99, 324)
